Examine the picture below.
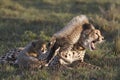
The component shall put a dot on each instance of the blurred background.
(24, 20)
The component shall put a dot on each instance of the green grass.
(23, 21)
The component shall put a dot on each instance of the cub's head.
(90, 36)
(39, 46)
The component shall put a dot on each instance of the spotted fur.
(89, 37)
(11, 56)
(29, 56)
(71, 43)
(68, 36)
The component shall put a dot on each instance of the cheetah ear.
(33, 43)
(88, 26)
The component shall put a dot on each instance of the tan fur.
(68, 36)
(88, 36)
(73, 29)
(71, 56)
(79, 49)
(29, 56)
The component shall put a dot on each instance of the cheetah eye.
(42, 50)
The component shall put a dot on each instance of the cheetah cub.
(29, 56)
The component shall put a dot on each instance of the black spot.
(73, 53)
(3, 56)
(66, 56)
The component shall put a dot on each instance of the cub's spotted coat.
(11, 56)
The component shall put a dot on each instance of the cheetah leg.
(56, 52)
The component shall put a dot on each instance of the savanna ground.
(24, 20)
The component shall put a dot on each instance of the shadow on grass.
(118, 75)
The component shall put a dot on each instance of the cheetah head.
(90, 36)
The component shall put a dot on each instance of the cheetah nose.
(102, 38)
